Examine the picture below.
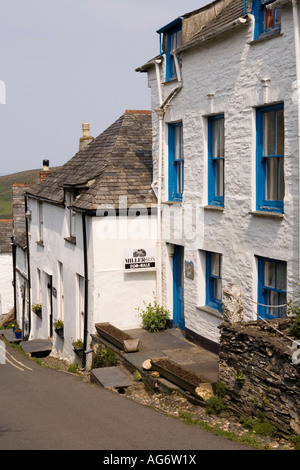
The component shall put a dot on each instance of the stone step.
(112, 377)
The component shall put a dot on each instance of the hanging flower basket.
(78, 347)
(59, 328)
(37, 309)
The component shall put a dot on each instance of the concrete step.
(112, 377)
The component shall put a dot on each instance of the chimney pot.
(86, 137)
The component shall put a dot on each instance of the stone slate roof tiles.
(116, 163)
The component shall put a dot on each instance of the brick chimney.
(86, 138)
(45, 171)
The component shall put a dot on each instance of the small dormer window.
(174, 40)
(70, 197)
(267, 19)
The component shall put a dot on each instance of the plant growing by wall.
(239, 378)
(154, 316)
(103, 357)
(294, 311)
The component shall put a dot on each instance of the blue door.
(178, 287)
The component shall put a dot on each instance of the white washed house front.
(86, 220)
(226, 160)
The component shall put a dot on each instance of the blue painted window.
(270, 158)
(267, 21)
(176, 161)
(271, 288)
(214, 280)
(216, 155)
(174, 40)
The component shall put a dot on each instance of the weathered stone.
(272, 380)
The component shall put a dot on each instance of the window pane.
(268, 128)
(271, 179)
(281, 277)
(218, 289)
(282, 301)
(218, 138)
(269, 274)
(178, 142)
(219, 177)
(273, 300)
(279, 133)
(215, 264)
(179, 177)
(281, 180)
(269, 19)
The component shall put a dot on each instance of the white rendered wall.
(233, 70)
(45, 258)
(119, 294)
(6, 286)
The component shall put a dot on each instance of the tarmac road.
(45, 409)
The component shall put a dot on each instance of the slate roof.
(5, 235)
(116, 163)
(231, 12)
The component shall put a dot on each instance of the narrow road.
(45, 409)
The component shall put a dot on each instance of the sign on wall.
(140, 259)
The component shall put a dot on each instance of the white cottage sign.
(140, 259)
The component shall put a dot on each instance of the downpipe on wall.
(297, 60)
(161, 113)
(85, 261)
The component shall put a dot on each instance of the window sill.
(210, 310)
(171, 203)
(272, 215)
(40, 243)
(266, 36)
(214, 208)
(70, 240)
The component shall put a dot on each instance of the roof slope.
(117, 163)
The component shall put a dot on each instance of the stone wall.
(270, 377)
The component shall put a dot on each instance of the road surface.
(45, 409)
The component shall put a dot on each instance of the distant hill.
(6, 182)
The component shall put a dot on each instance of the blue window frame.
(174, 40)
(214, 280)
(216, 157)
(176, 161)
(270, 158)
(267, 21)
(271, 288)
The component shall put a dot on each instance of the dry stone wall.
(257, 365)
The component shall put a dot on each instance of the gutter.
(28, 269)
(297, 60)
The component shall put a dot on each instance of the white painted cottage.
(226, 161)
(6, 267)
(91, 228)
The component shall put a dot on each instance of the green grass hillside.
(6, 182)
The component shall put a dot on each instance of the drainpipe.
(297, 60)
(85, 261)
(28, 270)
(161, 113)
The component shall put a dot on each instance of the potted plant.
(37, 309)
(78, 347)
(59, 328)
(18, 333)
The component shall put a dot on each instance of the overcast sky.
(65, 62)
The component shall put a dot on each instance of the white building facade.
(226, 161)
(92, 238)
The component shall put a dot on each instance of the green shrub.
(104, 357)
(73, 368)
(263, 428)
(154, 317)
(215, 405)
(294, 311)
(296, 441)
